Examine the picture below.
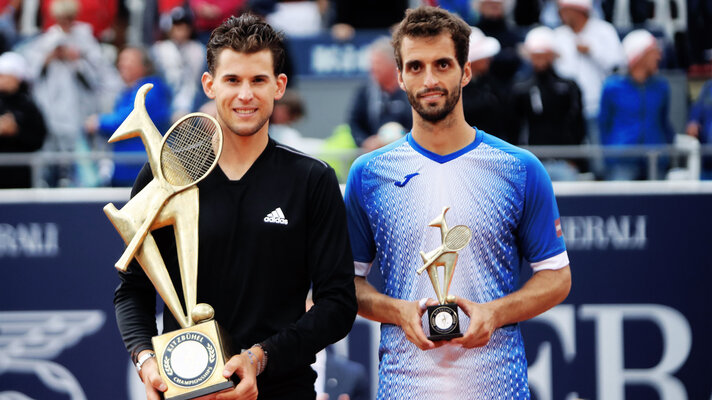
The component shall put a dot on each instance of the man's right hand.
(410, 320)
(152, 380)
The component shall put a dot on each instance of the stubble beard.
(432, 114)
(243, 131)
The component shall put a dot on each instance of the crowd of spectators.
(552, 72)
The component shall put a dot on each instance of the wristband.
(265, 358)
(142, 360)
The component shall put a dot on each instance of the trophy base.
(191, 361)
(203, 393)
(444, 322)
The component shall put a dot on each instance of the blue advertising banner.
(322, 56)
(635, 326)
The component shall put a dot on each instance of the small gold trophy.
(443, 318)
(192, 358)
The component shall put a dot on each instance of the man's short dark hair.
(424, 22)
(246, 34)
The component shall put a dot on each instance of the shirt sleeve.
(542, 240)
(331, 273)
(362, 243)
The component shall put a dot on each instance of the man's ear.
(466, 74)
(207, 81)
(400, 80)
(281, 86)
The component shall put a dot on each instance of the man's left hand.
(247, 372)
(482, 324)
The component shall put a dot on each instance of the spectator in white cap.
(547, 109)
(72, 80)
(589, 51)
(22, 127)
(635, 107)
(484, 99)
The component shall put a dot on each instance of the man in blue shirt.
(500, 191)
(136, 69)
(699, 124)
(635, 107)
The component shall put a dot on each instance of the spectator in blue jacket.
(699, 124)
(635, 107)
(136, 70)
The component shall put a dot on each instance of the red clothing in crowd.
(209, 14)
(100, 14)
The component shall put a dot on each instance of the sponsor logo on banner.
(615, 232)
(339, 59)
(32, 239)
(29, 340)
(612, 327)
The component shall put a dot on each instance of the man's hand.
(247, 372)
(151, 379)
(8, 125)
(410, 320)
(482, 324)
(91, 124)
(582, 48)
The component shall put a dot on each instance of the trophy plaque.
(190, 359)
(443, 318)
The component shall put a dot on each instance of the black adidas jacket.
(263, 242)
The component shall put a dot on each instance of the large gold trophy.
(192, 358)
(443, 318)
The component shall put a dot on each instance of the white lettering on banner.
(622, 232)
(29, 240)
(30, 340)
(339, 59)
(611, 375)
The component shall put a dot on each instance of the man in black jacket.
(548, 105)
(22, 127)
(272, 225)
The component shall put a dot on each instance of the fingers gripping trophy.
(188, 358)
(443, 318)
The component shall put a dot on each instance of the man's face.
(542, 61)
(431, 76)
(9, 83)
(244, 89)
(383, 70)
(492, 9)
(130, 65)
(571, 16)
(650, 61)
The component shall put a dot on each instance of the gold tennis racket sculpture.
(443, 318)
(192, 358)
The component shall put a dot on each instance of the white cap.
(585, 5)
(637, 43)
(14, 64)
(540, 40)
(482, 46)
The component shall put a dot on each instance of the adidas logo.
(276, 216)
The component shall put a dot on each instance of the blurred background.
(614, 96)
